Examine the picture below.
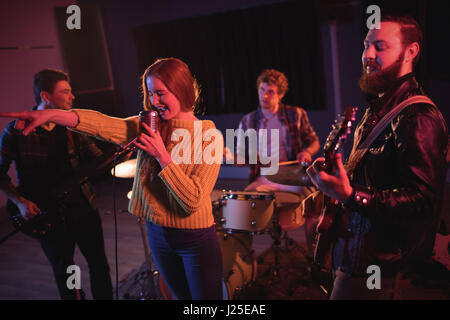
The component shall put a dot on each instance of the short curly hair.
(272, 76)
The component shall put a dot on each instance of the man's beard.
(382, 79)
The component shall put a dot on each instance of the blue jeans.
(190, 261)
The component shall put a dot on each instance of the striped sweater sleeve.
(111, 129)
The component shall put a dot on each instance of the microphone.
(150, 118)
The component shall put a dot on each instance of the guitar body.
(53, 211)
(323, 253)
(328, 216)
(326, 231)
(35, 227)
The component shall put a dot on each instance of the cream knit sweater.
(180, 196)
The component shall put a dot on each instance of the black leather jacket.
(398, 186)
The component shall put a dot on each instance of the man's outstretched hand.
(28, 121)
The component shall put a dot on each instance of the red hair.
(177, 77)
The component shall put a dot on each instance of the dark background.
(227, 44)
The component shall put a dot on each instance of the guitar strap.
(74, 158)
(358, 152)
(71, 149)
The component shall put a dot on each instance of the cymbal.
(293, 175)
(126, 169)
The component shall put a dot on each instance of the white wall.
(25, 25)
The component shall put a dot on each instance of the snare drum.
(245, 211)
(288, 210)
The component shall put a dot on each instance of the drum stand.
(278, 235)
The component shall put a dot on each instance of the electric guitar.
(52, 211)
(332, 210)
(38, 225)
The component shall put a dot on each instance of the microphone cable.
(117, 156)
(115, 226)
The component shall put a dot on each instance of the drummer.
(297, 139)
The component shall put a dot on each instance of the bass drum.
(239, 266)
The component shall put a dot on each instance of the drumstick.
(286, 163)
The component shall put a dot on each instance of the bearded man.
(391, 197)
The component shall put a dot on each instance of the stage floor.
(25, 273)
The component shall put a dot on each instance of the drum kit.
(239, 216)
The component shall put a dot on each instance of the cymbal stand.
(278, 235)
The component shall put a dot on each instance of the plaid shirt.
(44, 161)
(300, 132)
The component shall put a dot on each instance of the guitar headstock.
(341, 129)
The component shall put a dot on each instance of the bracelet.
(360, 197)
